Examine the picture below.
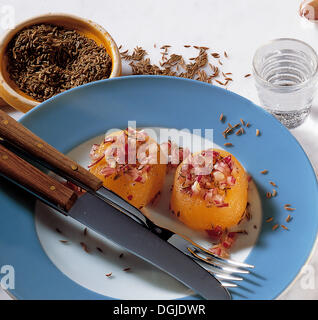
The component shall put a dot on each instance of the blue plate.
(73, 117)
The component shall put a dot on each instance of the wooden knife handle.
(17, 134)
(35, 180)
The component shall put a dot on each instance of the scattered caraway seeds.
(243, 122)
(174, 65)
(100, 250)
(264, 172)
(228, 144)
(290, 209)
(225, 54)
(215, 55)
(58, 231)
(85, 232)
(274, 193)
(273, 184)
(247, 75)
(127, 269)
(269, 220)
(258, 132)
(220, 82)
(221, 117)
(121, 255)
(289, 218)
(284, 227)
(237, 126)
(84, 246)
(268, 195)
(276, 226)
(64, 241)
(109, 275)
(228, 131)
(244, 232)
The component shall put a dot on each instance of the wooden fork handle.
(35, 180)
(17, 134)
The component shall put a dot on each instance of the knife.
(94, 212)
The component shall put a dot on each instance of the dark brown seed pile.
(44, 60)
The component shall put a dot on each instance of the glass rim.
(276, 86)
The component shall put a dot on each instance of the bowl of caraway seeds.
(52, 53)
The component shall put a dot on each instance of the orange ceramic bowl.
(10, 92)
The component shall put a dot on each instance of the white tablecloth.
(238, 27)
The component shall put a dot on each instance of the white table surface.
(237, 26)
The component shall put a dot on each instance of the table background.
(238, 27)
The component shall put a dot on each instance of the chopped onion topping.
(94, 152)
(120, 156)
(96, 161)
(223, 241)
(214, 179)
(107, 171)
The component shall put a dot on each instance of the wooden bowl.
(10, 92)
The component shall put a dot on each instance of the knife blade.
(106, 220)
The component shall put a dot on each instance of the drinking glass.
(286, 73)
